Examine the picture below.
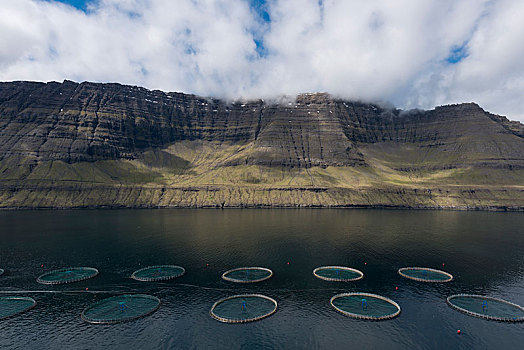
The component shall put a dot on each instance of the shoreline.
(90, 196)
(356, 206)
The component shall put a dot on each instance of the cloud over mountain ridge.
(411, 53)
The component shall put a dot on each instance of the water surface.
(484, 251)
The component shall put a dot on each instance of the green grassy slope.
(196, 174)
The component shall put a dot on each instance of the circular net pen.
(69, 275)
(337, 273)
(10, 306)
(247, 274)
(158, 273)
(122, 308)
(243, 308)
(365, 306)
(425, 274)
(487, 307)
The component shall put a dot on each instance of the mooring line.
(61, 291)
(162, 290)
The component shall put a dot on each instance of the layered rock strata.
(75, 140)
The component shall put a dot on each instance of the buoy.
(396, 288)
(458, 331)
(87, 288)
(42, 265)
(288, 262)
(443, 264)
(365, 263)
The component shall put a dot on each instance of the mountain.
(70, 145)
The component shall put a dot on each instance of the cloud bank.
(412, 53)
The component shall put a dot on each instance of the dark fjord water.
(484, 251)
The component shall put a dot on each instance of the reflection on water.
(484, 251)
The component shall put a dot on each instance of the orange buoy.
(458, 331)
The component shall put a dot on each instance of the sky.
(410, 53)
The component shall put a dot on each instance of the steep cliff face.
(115, 134)
(77, 122)
(87, 122)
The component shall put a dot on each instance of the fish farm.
(69, 275)
(243, 308)
(337, 273)
(365, 306)
(247, 274)
(158, 273)
(121, 308)
(486, 307)
(425, 274)
(10, 306)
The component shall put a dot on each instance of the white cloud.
(373, 50)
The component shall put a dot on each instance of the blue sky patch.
(260, 48)
(260, 9)
(457, 54)
(79, 4)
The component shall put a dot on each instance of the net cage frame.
(486, 317)
(2, 272)
(94, 270)
(229, 279)
(151, 279)
(338, 279)
(115, 321)
(235, 320)
(364, 317)
(447, 274)
(33, 304)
